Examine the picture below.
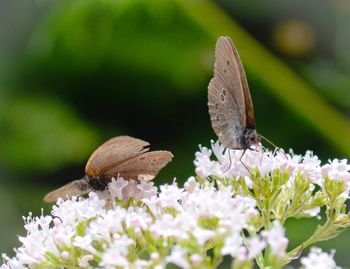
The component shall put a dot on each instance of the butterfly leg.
(245, 166)
(229, 157)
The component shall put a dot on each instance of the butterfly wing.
(145, 166)
(226, 96)
(114, 152)
(74, 188)
(247, 97)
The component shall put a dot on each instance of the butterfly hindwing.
(247, 97)
(74, 188)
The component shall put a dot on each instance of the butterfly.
(229, 101)
(122, 156)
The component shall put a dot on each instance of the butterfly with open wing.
(122, 156)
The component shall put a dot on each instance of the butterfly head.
(250, 138)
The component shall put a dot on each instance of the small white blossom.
(84, 242)
(196, 259)
(313, 212)
(147, 189)
(116, 187)
(84, 260)
(276, 239)
(255, 245)
(232, 245)
(317, 259)
(337, 170)
(116, 253)
(204, 166)
(178, 257)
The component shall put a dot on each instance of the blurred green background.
(75, 73)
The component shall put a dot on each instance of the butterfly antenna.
(276, 147)
(268, 141)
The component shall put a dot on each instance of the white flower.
(202, 235)
(147, 189)
(337, 170)
(219, 151)
(77, 209)
(317, 259)
(138, 218)
(287, 162)
(154, 204)
(64, 255)
(190, 184)
(276, 239)
(310, 168)
(255, 245)
(116, 254)
(105, 226)
(178, 257)
(84, 242)
(63, 235)
(170, 195)
(116, 187)
(204, 166)
(196, 259)
(132, 190)
(232, 245)
(313, 212)
(84, 260)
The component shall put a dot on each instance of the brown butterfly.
(122, 156)
(230, 104)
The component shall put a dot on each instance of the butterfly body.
(122, 156)
(229, 101)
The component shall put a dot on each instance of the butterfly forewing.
(114, 152)
(226, 97)
(146, 166)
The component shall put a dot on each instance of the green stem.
(315, 237)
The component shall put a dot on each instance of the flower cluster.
(317, 259)
(235, 207)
